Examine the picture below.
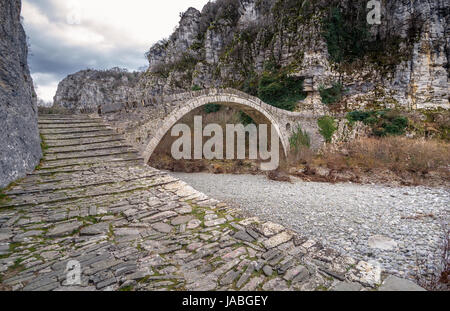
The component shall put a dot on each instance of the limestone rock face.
(230, 42)
(229, 48)
(20, 149)
(181, 40)
(86, 90)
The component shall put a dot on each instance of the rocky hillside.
(20, 149)
(285, 50)
(242, 43)
(86, 90)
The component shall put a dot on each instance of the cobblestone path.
(92, 201)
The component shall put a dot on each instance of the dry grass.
(394, 153)
(303, 155)
(397, 160)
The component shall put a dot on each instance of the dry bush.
(390, 159)
(303, 155)
(279, 175)
(393, 153)
(399, 154)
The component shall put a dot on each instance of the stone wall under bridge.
(144, 122)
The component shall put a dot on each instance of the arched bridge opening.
(260, 112)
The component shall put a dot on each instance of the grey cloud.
(56, 59)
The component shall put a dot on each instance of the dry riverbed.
(401, 228)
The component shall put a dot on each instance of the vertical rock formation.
(85, 90)
(407, 55)
(20, 149)
(402, 63)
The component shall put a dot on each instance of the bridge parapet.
(166, 110)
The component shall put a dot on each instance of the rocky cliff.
(260, 46)
(86, 90)
(20, 149)
(403, 61)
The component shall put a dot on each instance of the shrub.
(217, 10)
(250, 85)
(281, 91)
(346, 33)
(327, 127)
(44, 146)
(185, 63)
(331, 95)
(55, 109)
(211, 108)
(196, 88)
(383, 122)
(299, 138)
(245, 119)
(357, 115)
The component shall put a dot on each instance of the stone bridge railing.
(177, 105)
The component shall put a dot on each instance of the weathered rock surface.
(382, 242)
(230, 42)
(20, 149)
(86, 90)
(393, 284)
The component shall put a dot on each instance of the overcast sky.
(70, 35)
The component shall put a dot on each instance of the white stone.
(194, 223)
(369, 272)
(215, 222)
(277, 240)
(270, 229)
(393, 283)
(382, 242)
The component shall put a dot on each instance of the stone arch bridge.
(165, 111)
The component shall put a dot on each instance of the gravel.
(412, 221)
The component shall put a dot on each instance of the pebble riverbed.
(401, 228)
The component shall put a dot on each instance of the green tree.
(327, 127)
(331, 95)
(346, 34)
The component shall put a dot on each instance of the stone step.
(66, 164)
(53, 126)
(66, 116)
(49, 187)
(89, 160)
(88, 173)
(70, 169)
(65, 195)
(105, 200)
(87, 147)
(83, 141)
(53, 137)
(68, 122)
(89, 153)
(77, 130)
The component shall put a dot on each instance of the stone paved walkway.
(132, 227)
